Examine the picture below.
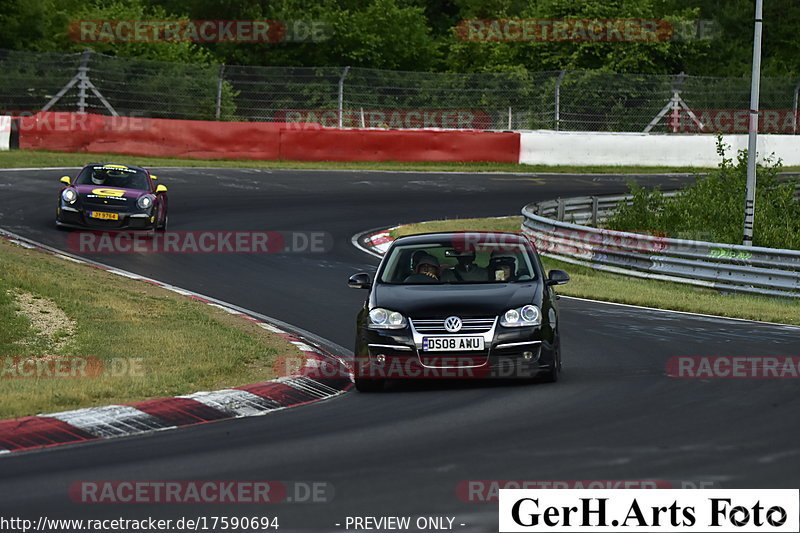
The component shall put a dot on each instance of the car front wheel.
(552, 375)
(368, 384)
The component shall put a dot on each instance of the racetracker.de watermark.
(737, 121)
(733, 367)
(200, 242)
(198, 31)
(488, 490)
(68, 122)
(582, 30)
(201, 491)
(63, 366)
(389, 118)
(404, 367)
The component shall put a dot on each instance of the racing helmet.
(99, 176)
(499, 260)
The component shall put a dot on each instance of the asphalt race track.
(614, 416)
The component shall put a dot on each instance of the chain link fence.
(358, 97)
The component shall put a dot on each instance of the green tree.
(712, 209)
(44, 25)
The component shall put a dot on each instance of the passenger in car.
(465, 270)
(502, 267)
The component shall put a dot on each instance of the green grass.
(177, 345)
(589, 283)
(32, 158)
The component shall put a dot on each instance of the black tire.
(552, 375)
(361, 363)
(163, 227)
(368, 384)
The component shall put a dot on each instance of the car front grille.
(468, 325)
(99, 205)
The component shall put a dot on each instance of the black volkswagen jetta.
(458, 305)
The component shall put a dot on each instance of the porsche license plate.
(103, 215)
(451, 344)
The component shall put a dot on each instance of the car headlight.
(69, 195)
(385, 319)
(527, 315)
(144, 202)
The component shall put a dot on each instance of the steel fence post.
(558, 98)
(341, 93)
(219, 90)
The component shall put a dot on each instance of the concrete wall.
(589, 148)
(5, 131)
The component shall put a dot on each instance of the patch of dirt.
(46, 318)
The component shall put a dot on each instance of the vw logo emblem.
(452, 324)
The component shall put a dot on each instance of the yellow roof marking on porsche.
(114, 166)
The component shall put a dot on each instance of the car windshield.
(114, 176)
(441, 263)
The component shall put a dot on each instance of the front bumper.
(72, 217)
(508, 353)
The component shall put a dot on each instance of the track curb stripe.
(111, 421)
(37, 432)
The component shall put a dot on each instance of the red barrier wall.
(199, 139)
(73, 132)
(398, 145)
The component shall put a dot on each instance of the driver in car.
(99, 176)
(425, 271)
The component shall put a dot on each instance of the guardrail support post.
(595, 206)
(560, 214)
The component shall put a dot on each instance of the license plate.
(451, 344)
(104, 216)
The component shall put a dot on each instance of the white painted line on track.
(757, 322)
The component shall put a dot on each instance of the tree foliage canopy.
(421, 35)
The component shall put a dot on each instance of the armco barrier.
(726, 267)
(644, 149)
(75, 132)
(5, 132)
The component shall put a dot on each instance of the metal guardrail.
(726, 267)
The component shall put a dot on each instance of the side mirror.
(161, 188)
(153, 177)
(65, 180)
(359, 281)
(557, 277)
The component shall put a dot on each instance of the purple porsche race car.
(112, 197)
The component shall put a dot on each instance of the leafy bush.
(712, 209)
